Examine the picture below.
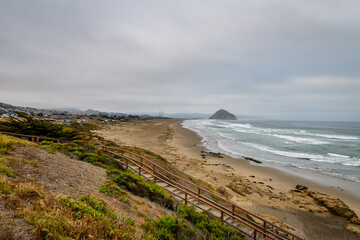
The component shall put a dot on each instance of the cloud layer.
(277, 59)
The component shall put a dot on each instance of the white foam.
(237, 125)
(333, 158)
(301, 140)
(337, 155)
(340, 137)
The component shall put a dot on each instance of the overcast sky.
(285, 59)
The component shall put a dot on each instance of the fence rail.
(32, 138)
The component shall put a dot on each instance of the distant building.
(5, 116)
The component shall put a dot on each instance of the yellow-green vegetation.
(111, 189)
(4, 167)
(139, 186)
(189, 224)
(7, 161)
(7, 143)
(64, 218)
(212, 227)
(32, 126)
(82, 150)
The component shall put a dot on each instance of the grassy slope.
(112, 211)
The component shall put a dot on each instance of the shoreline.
(265, 191)
(287, 179)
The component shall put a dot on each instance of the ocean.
(329, 148)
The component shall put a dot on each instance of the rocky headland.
(223, 115)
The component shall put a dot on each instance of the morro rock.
(223, 115)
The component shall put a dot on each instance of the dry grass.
(8, 142)
(52, 219)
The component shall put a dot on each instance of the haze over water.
(330, 148)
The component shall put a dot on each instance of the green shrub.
(80, 209)
(214, 228)
(6, 170)
(139, 186)
(112, 190)
(32, 126)
(95, 204)
(5, 186)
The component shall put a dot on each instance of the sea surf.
(328, 148)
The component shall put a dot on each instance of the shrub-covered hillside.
(72, 190)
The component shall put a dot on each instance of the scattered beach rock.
(354, 229)
(239, 189)
(335, 206)
(301, 187)
(211, 154)
(251, 159)
(222, 191)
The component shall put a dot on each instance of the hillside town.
(8, 111)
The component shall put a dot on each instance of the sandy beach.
(263, 190)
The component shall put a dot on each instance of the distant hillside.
(70, 110)
(92, 111)
(223, 115)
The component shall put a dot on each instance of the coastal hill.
(223, 115)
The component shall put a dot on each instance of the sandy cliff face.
(223, 115)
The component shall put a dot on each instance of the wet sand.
(267, 190)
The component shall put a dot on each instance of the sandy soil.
(265, 191)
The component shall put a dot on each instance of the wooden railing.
(32, 138)
(226, 207)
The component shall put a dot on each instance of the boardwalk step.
(169, 188)
(203, 207)
(179, 195)
(245, 229)
(162, 184)
(214, 212)
(147, 175)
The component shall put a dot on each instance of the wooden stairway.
(183, 190)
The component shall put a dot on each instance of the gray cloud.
(278, 59)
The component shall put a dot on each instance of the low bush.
(7, 143)
(214, 228)
(32, 126)
(111, 189)
(167, 228)
(4, 167)
(140, 187)
(84, 151)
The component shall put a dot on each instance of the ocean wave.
(330, 136)
(301, 140)
(236, 125)
(337, 155)
(333, 158)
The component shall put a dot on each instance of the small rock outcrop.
(223, 115)
(334, 205)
